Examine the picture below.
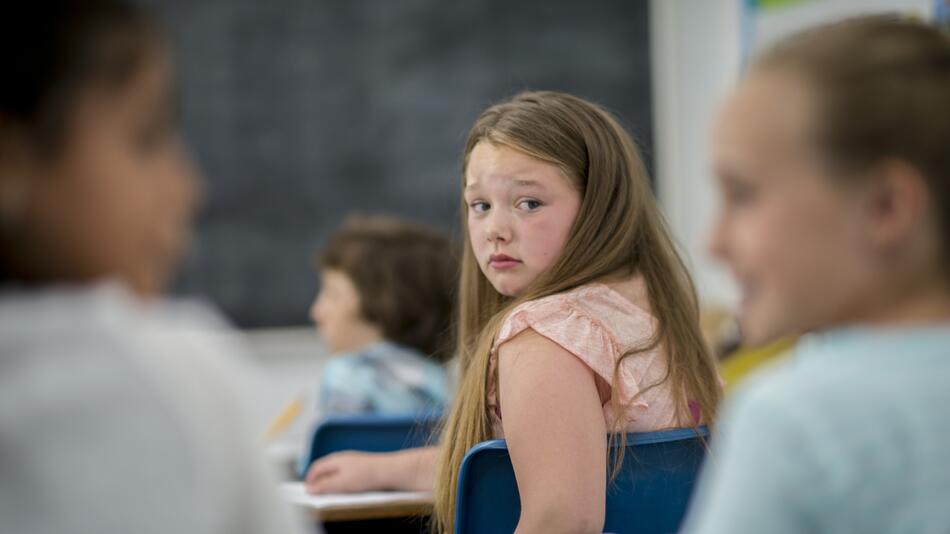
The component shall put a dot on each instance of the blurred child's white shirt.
(852, 435)
(121, 417)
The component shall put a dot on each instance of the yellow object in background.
(746, 361)
(285, 418)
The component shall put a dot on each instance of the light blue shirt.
(383, 379)
(852, 435)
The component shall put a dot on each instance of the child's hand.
(344, 472)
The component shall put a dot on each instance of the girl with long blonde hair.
(577, 316)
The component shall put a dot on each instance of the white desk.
(358, 506)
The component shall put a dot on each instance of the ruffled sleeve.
(573, 327)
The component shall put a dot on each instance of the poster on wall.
(765, 21)
(942, 14)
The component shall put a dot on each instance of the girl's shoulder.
(595, 316)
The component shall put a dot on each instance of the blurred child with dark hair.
(120, 411)
(384, 309)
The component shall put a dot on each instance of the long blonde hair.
(618, 230)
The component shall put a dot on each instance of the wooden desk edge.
(409, 508)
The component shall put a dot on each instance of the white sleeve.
(115, 420)
(212, 372)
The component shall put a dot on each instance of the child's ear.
(897, 205)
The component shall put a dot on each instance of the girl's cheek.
(474, 231)
(548, 245)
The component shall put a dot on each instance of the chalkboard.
(299, 112)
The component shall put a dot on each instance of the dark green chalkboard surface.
(300, 111)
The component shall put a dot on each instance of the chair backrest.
(372, 433)
(650, 495)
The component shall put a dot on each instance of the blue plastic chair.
(649, 496)
(371, 433)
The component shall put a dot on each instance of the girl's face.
(336, 312)
(794, 238)
(118, 198)
(520, 213)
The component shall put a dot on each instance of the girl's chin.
(508, 290)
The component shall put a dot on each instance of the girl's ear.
(896, 206)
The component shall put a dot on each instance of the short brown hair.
(405, 274)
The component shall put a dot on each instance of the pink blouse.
(598, 325)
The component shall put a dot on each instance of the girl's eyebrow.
(515, 183)
(528, 183)
(727, 178)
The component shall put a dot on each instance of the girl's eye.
(529, 205)
(158, 131)
(154, 138)
(739, 195)
(479, 207)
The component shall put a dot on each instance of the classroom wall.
(696, 59)
(287, 364)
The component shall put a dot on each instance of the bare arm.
(352, 472)
(556, 433)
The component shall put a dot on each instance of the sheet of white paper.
(295, 493)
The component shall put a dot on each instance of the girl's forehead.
(766, 115)
(500, 166)
(334, 275)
